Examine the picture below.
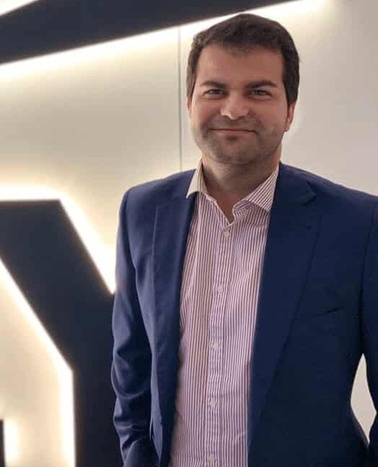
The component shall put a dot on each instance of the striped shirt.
(219, 295)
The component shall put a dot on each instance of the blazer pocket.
(318, 312)
(323, 300)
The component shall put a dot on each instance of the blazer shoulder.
(144, 198)
(334, 193)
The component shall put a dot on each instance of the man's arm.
(131, 369)
(370, 331)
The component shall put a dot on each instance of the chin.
(233, 160)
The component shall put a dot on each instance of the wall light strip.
(9, 5)
(12, 447)
(111, 49)
(291, 8)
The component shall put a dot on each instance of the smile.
(233, 130)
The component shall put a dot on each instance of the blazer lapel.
(172, 223)
(290, 242)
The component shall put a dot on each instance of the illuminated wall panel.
(89, 123)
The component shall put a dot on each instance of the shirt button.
(220, 288)
(213, 403)
(215, 346)
(226, 233)
(211, 458)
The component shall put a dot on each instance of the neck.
(228, 184)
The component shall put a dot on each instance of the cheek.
(274, 118)
(202, 115)
(268, 119)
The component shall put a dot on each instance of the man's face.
(239, 110)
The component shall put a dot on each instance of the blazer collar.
(172, 222)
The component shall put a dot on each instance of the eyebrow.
(261, 83)
(251, 85)
(213, 84)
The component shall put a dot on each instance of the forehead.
(228, 65)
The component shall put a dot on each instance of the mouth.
(233, 130)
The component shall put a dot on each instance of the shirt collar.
(261, 196)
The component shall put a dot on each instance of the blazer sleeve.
(131, 368)
(370, 331)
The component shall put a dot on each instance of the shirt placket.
(222, 274)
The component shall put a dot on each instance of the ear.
(189, 106)
(290, 115)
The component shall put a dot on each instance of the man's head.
(242, 89)
(242, 33)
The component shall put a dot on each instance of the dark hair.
(242, 33)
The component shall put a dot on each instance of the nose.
(235, 107)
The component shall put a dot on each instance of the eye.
(214, 93)
(259, 93)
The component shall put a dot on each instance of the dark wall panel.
(45, 256)
(51, 25)
(2, 454)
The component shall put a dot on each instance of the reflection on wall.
(91, 123)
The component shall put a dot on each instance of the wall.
(83, 126)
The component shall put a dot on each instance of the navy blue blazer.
(317, 314)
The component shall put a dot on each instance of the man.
(247, 290)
